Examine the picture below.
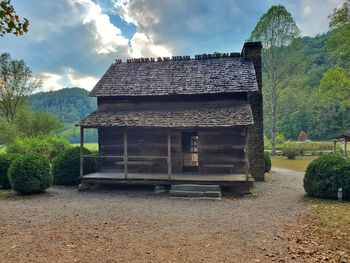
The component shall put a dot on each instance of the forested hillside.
(70, 105)
(309, 100)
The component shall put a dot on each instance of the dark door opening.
(189, 142)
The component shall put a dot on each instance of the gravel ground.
(135, 225)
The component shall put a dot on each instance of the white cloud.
(50, 81)
(107, 35)
(312, 16)
(143, 46)
(77, 80)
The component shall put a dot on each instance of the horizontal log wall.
(222, 146)
(141, 142)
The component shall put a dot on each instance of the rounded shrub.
(325, 175)
(5, 162)
(66, 166)
(30, 174)
(267, 159)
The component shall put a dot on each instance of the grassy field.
(299, 164)
(92, 146)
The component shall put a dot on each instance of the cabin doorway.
(189, 142)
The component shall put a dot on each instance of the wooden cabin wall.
(222, 146)
(141, 142)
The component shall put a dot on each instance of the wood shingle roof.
(194, 116)
(178, 77)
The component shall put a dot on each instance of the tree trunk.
(273, 118)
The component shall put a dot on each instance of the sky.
(71, 43)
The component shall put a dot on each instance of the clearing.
(134, 225)
(299, 164)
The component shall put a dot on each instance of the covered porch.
(150, 147)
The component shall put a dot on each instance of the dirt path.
(123, 225)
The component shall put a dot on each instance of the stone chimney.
(252, 51)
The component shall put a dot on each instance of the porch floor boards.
(183, 177)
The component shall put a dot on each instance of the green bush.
(5, 162)
(325, 175)
(66, 167)
(49, 146)
(280, 140)
(267, 143)
(267, 159)
(30, 174)
(290, 151)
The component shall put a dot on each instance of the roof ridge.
(215, 55)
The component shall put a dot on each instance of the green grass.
(299, 164)
(92, 146)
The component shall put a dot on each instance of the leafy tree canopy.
(16, 83)
(10, 22)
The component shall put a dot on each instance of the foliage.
(10, 23)
(290, 151)
(16, 83)
(280, 140)
(302, 137)
(35, 123)
(302, 105)
(70, 105)
(335, 87)
(340, 16)
(325, 175)
(30, 174)
(339, 43)
(8, 131)
(276, 30)
(267, 143)
(66, 167)
(72, 134)
(28, 124)
(48, 146)
(5, 162)
(267, 160)
(303, 147)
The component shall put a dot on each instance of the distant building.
(180, 119)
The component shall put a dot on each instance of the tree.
(276, 30)
(335, 87)
(339, 43)
(340, 16)
(35, 123)
(302, 136)
(10, 23)
(16, 84)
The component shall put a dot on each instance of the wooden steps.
(196, 191)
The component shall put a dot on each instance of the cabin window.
(194, 144)
(190, 151)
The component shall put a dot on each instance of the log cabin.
(176, 120)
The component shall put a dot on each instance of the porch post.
(169, 155)
(81, 151)
(246, 154)
(125, 155)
